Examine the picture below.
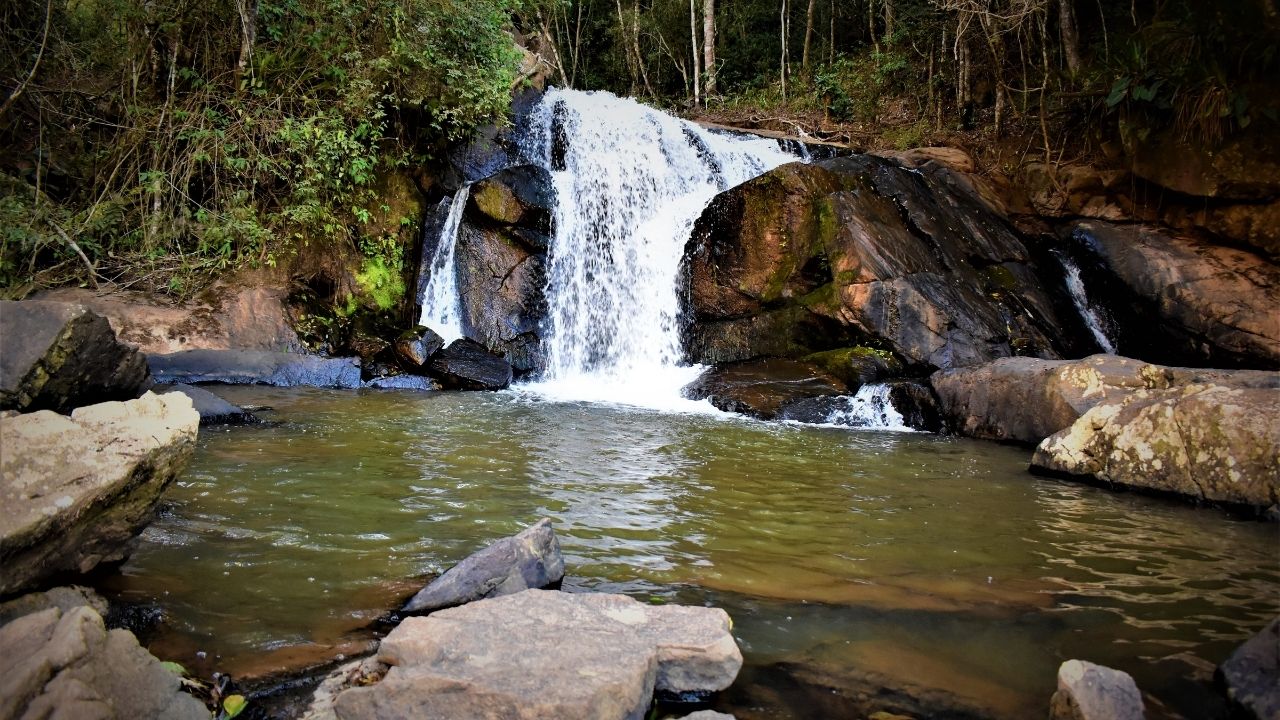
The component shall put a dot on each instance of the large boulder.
(1181, 299)
(1025, 400)
(490, 659)
(255, 367)
(1245, 166)
(520, 195)
(57, 356)
(415, 347)
(529, 559)
(62, 662)
(1251, 676)
(77, 490)
(1207, 442)
(467, 365)
(860, 250)
(762, 387)
(1094, 692)
(501, 280)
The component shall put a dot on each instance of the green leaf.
(232, 706)
(1118, 92)
(169, 665)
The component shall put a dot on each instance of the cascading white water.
(441, 307)
(1095, 323)
(870, 407)
(630, 181)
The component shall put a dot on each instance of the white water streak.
(441, 305)
(1087, 312)
(870, 407)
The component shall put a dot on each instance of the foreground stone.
(761, 388)
(213, 409)
(467, 365)
(76, 490)
(1206, 442)
(1251, 676)
(1027, 399)
(61, 662)
(529, 559)
(1093, 692)
(414, 348)
(255, 367)
(57, 356)
(541, 654)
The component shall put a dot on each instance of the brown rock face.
(860, 250)
(77, 490)
(1245, 167)
(762, 387)
(542, 654)
(1216, 305)
(1207, 442)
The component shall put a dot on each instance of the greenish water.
(848, 560)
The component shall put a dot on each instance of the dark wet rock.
(63, 663)
(500, 287)
(529, 559)
(1180, 299)
(861, 251)
(917, 404)
(1209, 443)
(762, 387)
(819, 410)
(255, 367)
(467, 365)
(857, 366)
(76, 490)
(213, 409)
(1027, 399)
(57, 356)
(415, 347)
(1093, 692)
(1251, 676)
(402, 382)
(490, 659)
(522, 195)
(913, 401)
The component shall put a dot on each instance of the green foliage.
(232, 706)
(381, 282)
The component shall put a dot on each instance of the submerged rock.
(1251, 676)
(1206, 442)
(467, 365)
(255, 367)
(213, 409)
(762, 387)
(1093, 692)
(77, 490)
(491, 659)
(62, 662)
(57, 356)
(529, 559)
(401, 382)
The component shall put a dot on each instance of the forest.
(157, 144)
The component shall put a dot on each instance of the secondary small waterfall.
(630, 181)
(1092, 318)
(441, 307)
(870, 407)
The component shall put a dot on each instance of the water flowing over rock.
(57, 356)
(1251, 676)
(441, 308)
(64, 663)
(77, 490)
(629, 182)
(490, 659)
(1206, 442)
(1184, 300)
(529, 559)
(762, 387)
(1027, 399)
(1093, 692)
(254, 367)
(467, 365)
(861, 250)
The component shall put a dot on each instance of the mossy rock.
(496, 202)
(857, 365)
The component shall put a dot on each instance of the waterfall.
(441, 306)
(630, 181)
(870, 407)
(1092, 318)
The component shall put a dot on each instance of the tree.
(709, 44)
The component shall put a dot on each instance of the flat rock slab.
(529, 559)
(255, 367)
(543, 654)
(1206, 442)
(213, 409)
(1094, 692)
(76, 490)
(64, 663)
(57, 356)
(1251, 675)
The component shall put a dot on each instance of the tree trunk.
(626, 48)
(248, 11)
(1070, 37)
(709, 44)
(782, 57)
(808, 34)
(888, 21)
(635, 47)
(693, 43)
